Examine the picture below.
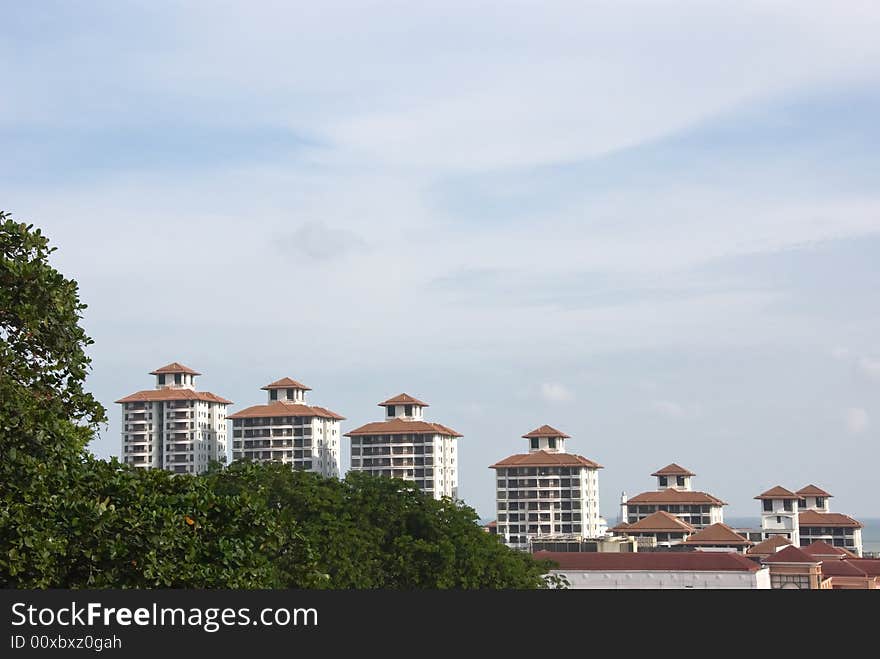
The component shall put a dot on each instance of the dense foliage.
(70, 520)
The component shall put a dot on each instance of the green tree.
(70, 520)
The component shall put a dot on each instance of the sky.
(654, 226)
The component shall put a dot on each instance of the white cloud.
(870, 366)
(856, 419)
(672, 410)
(554, 392)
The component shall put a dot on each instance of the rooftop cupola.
(404, 406)
(674, 476)
(287, 390)
(175, 376)
(546, 438)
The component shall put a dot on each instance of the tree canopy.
(69, 520)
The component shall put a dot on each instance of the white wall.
(622, 580)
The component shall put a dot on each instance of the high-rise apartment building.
(287, 429)
(406, 446)
(174, 427)
(547, 493)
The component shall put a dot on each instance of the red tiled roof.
(815, 518)
(151, 395)
(717, 534)
(660, 521)
(673, 470)
(283, 408)
(545, 459)
(402, 427)
(286, 383)
(820, 548)
(403, 399)
(778, 492)
(790, 554)
(691, 561)
(813, 491)
(870, 566)
(545, 431)
(672, 495)
(174, 367)
(845, 568)
(770, 545)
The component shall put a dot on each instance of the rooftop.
(403, 399)
(546, 431)
(673, 470)
(286, 383)
(691, 561)
(823, 549)
(770, 545)
(815, 518)
(717, 534)
(813, 491)
(152, 395)
(778, 492)
(545, 459)
(174, 367)
(790, 554)
(671, 495)
(660, 521)
(284, 408)
(402, 427)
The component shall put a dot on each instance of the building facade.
(804, 517)
(658, 570)
(287, 429)
(547, 493)
(174, 427)
(674, 495)
(406, 446)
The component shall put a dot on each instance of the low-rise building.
(793, 568)
(659, 529)
(658, 570)
(717, 537)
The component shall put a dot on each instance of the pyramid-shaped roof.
(673, 470)
(403, 399)
(174, 367)
(660, 521)
(791, 555)
(545, 431)
(286, 383)
(778, 492)
(717, 534)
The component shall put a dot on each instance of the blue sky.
(654, 226)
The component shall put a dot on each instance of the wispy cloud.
(318, 241)
(856, 420)
(870, 366)
(554, 392)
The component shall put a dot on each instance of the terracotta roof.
(770, 545)
(717, 534)
(283, 408)
(790, 554)
(402, 427)
(286, 383)
(673, 470)
(545, 459)
(403, 399)
(778, 492)
(672, 495)
(815, 518)
(820, 548)
(174, 367)
(660, 521)
(813, 491)
(870, 566)
(491, 525)
(545, 431)
(690, 561)
(845, 568)
(173, 394)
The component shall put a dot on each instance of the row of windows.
(539, 494)
(393, 439)
(540, 505)
(826, 530)
(545, 529)
(539, 482)
(669, 508)
(663, 481)
(539, 471)
(539, 517)
(396, 450)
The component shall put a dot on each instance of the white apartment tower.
(406, 446)
(174, 427)
(547, 492)
(287, 429)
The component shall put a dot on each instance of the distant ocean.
(870, 534)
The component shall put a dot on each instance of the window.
(787, 505)
(290, 394)
(662, 481)
(177, 378)
(551, 443)
(778, 519)
(161, 379)
(802, 503)
(679, 481)
(407, 410)
(820, 502)
(391, 410)
(534, 443)
(768, 505)
(273, 394)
